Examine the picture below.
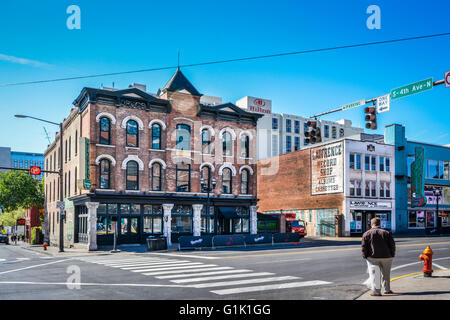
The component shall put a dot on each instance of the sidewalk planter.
(195, 242)
(156, 243)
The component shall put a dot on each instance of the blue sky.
(35, 44)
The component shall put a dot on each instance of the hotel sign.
(327, 169)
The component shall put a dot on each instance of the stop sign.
(35, 170)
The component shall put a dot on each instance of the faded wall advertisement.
(327, 169)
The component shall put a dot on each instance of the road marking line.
(94, 284)
(120, 265)
(186, 271)
(35, 266)
(413, 263)
(232, 276)
(122, 261)
(185, 256)
(271, 287)
(22, 259)
(147, 265)
(2, 260)
(239, 282)
(164, 266)
(420, 250)
(202, 274)
(440, 267)
(197, 265)
(275, 261)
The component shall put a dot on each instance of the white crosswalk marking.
(230, 276)
(239, 282)
(184, 271)
(202, 274)
(271, 287)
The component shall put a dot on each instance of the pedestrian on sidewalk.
(378, 248)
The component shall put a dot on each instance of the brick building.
(140, 157)
(335, 187)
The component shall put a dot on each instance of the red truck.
(295, 225)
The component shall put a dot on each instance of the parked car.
(4, 239)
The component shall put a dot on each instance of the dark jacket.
(378, 243)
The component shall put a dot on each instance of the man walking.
(378, 248)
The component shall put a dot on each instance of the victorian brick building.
(141, 158)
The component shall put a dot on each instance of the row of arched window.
(183, 137)
(183, 177)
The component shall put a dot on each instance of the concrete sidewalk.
(416, 287)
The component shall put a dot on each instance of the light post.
(207, 188)
(61, 196)
(437, 193)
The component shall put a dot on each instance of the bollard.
(427, 257)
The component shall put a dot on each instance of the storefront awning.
(228, 212)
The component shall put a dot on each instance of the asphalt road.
(312, 270)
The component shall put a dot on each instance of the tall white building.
(283, 133)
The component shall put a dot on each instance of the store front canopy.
(228, 212)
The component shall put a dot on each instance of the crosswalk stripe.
(164, 266)
(230, 276)
(202, 274)
(126, 261)
(2, 259)
(193, 265)
(120, 265)
(158, 264)
(201, 268)
(239, 282)
(271, 287)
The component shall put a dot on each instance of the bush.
(36, 231)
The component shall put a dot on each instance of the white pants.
(379, 270)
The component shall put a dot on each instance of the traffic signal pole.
(435, 83)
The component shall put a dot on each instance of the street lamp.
(437, 194)
(206, 188)
(61, 196)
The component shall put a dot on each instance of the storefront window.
(112, 208)
(124, 209)
(124, 226)
(181, 224)
(135, 209)
(101, 225)
(416, 219)
(111, 227)
(237, 225)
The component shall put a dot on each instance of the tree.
(9, 218)
(18, 189)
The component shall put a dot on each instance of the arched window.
(206, 175)
(156, 136)
(245, 146)
(105, 131)
(183, 137)
(226, 180)
(206, 141)
(245, 179)
(156, 176)
(132, 181)
(105, 174)
(132, 134)
(227, 144)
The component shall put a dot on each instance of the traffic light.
(313, 134)
(371, 118)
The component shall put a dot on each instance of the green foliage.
(18, 189)
(33, 234)
(9, 218)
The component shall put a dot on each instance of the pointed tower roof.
(179, 82)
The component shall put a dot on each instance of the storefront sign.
(418, 198)
(370, 204)
(84, 182)
(256, 105)
(327, 169)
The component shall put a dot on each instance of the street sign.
(447, 79)
(383, 103)
(35, 171)
(87, 184)
(412, 88)
(354, 104)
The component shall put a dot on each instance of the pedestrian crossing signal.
(371, 118)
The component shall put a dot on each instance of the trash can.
(156, 243)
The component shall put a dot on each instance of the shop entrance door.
(130, 229)
(369, 216)
(225, 225)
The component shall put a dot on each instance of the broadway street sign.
(354, 104)
(412, 88)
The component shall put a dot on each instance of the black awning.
(228, 212)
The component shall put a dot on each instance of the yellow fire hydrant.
(427, 257)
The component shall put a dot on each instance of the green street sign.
(87, 184)
(354, 104)
(412, 88)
